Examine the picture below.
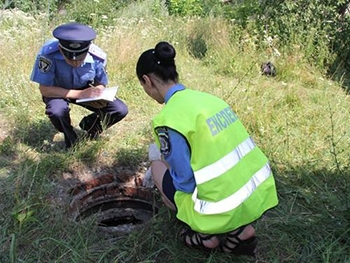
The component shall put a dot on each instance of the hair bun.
(165, 54)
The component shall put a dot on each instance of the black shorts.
(168, 187)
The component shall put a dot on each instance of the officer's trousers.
(58, 111)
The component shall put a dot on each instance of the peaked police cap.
(74, 38)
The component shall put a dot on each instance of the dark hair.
(160, 61)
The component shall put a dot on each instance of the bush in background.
(50, 6)
(185, 7)
(95, 13)
(318, 28)
(321, 27)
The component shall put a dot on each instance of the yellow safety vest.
(234, 182)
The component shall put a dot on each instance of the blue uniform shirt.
(50, 68)
(179, 156)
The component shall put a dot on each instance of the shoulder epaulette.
(97, 52)
(49, 47)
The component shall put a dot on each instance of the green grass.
(300, 119)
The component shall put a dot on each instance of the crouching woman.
(211, 172)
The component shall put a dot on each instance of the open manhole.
(117, 207)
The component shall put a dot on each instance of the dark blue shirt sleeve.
(179, 161)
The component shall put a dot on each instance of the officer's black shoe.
(92, 125)
(70, 139)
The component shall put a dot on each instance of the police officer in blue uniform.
(70, 67)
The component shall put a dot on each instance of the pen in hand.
(96, 91)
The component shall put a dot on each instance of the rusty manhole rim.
(125, 206)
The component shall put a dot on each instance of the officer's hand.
(93, 92)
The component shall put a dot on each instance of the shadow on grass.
(339, 70)
(310, 224)
(37, 135)
(342, 77)
(35, 198)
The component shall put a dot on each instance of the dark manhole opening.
(116, 221)
(118, 208)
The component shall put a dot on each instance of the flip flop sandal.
(196, 240)
(241, 247)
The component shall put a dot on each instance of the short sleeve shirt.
(51, 69)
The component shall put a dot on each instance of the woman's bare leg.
(158, 169)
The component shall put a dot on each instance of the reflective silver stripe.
(234, 200)
(224, 164)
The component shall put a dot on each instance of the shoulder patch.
(97, 52)
(44, 64)
(49, 47)
(163, 136)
